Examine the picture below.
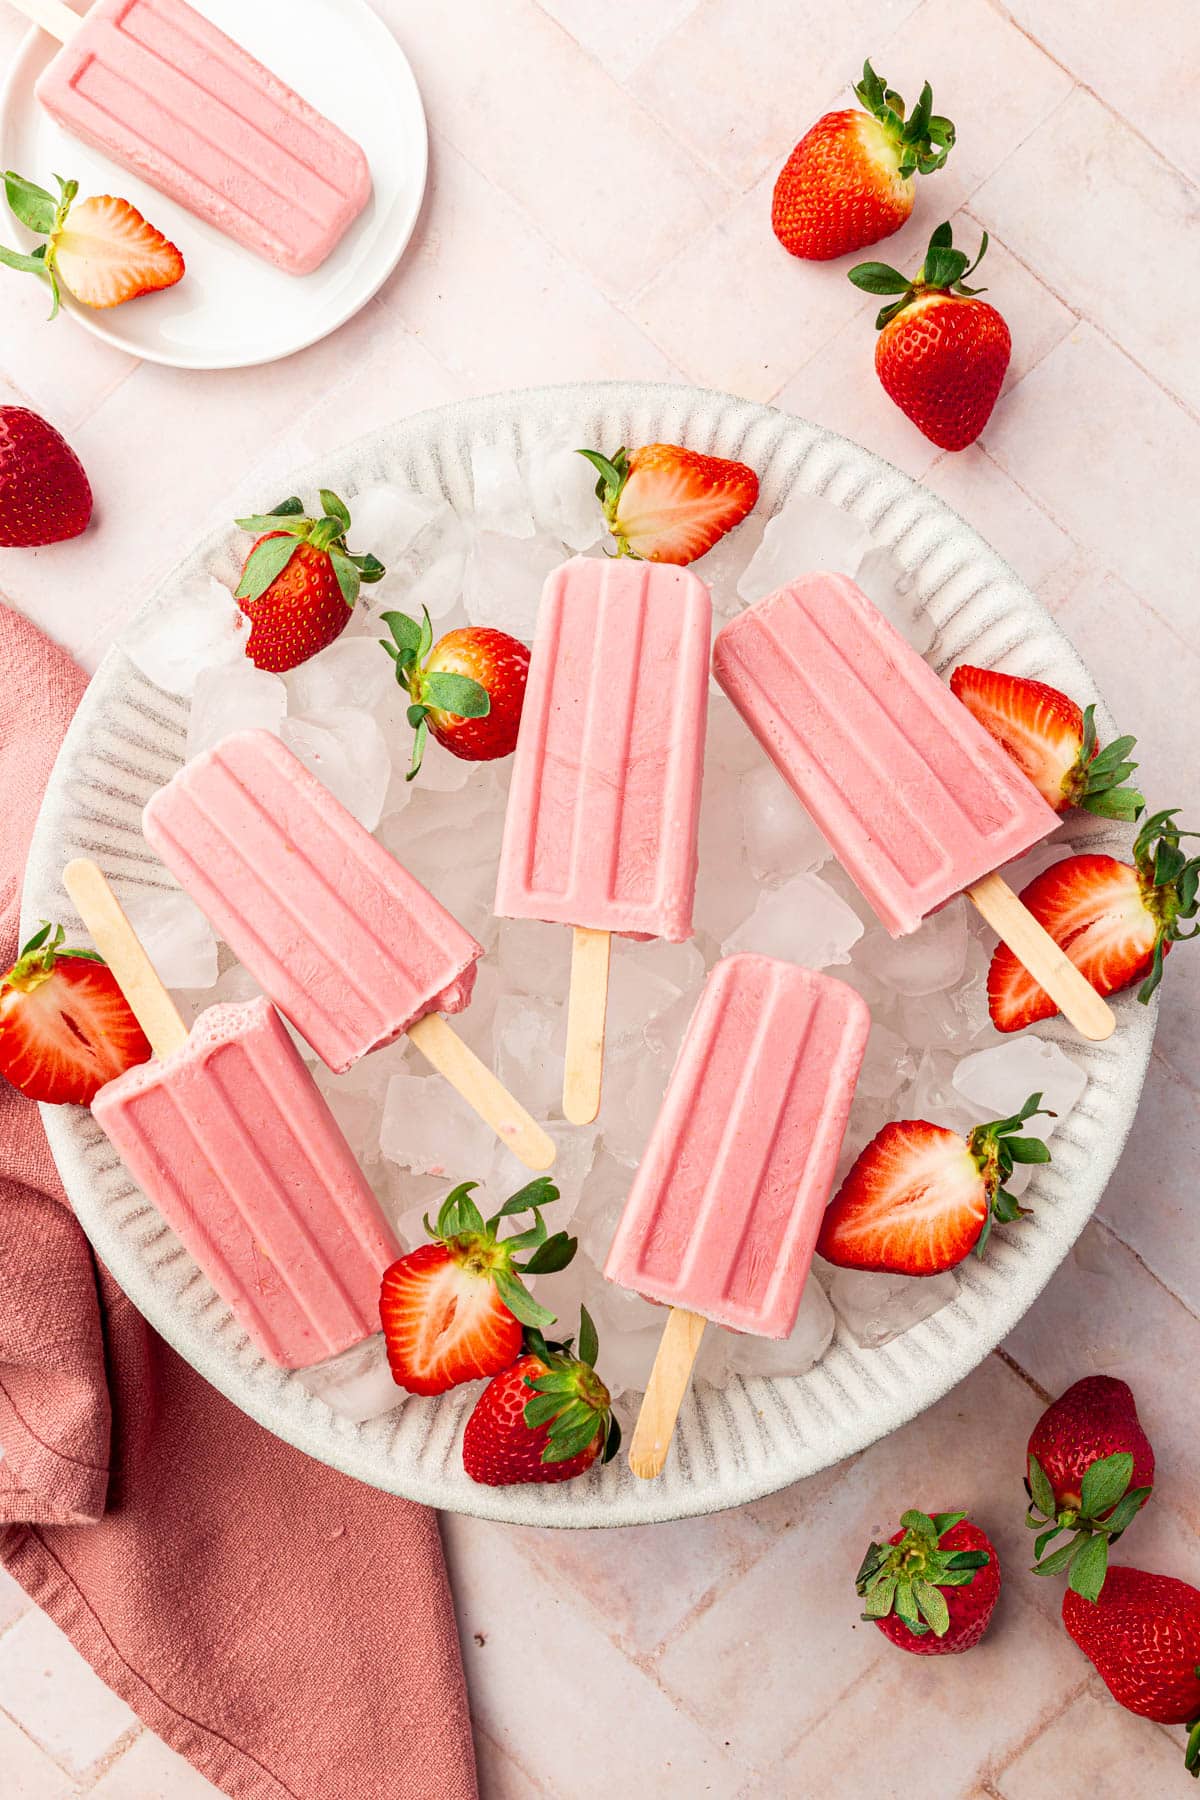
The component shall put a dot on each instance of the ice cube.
(358, 1384)
(680, 964)
(631, 1098)
(726, 891)
(348, 754)
(954, 1018)
(806, 533)
(779, 835)
(626, 1359)
(441, 772)
(503, 583)
(199, 627)
(574, 1152)
(887, 1065)
(501, 501)
(534, 957)
(931, 1095)
(876, 1308)
(237, 698)
(997, 1082)
(726, 562)
(561, 486)
(930, 958)
(892, 590)
(636, 995)
(176, 936)
(529, 1038)
(803, 922)
(730, 747)
(794, 1355)
(352, 671)
(428, 1128)
(438, 588)
(389, 519)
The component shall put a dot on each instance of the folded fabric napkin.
(287, 1629)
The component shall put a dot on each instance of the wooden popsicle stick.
(441, 1045)
(587, 1004)
(1046, 961)
(669, 1379)
(52, 15)
(118, 944)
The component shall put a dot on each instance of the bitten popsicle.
(723, 1214)
(161, 90)
(350, 946)
(600, 832)
(918, 801)
(229, 1137)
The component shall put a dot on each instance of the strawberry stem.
(1169, 882)
(906, 1577)
(286, 528)
(924, 140)
(944, 271)
(570, 1397)
(432, 690)
(996, 1147)
(462, 1228)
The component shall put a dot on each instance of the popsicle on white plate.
(918, 801)
(600, 831)
(724, 1210)
(156, 86)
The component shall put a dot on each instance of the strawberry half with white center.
(1090, 1471)
(670, 505)
(849, 181)
(453, 1310)
(920, 1197)
(45, 495)
(941, 354)
(1051, 741)
(547, 1418)
(1143, 1635)
(65, 1026)
(101, 249)
(932, 1588)
(1116, 921)
(468, 689)
(299, 583)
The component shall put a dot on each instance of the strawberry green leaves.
(1107, 1505)
(461, 1227)
(41, 213)
(38, 956)
(431, 690)
(944, 270)
(286, 527)
(1101, 774)
(570, 1397)
(997, 1147)
(1169, 883)
(907, 1577)
(924, 140)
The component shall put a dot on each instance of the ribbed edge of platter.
(752, 1437)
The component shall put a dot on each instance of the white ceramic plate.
(754, 1436)
(232, 309)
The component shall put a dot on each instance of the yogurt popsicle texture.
(725, 1207)
(231, 1140)
(158, 88)
(602, 813)
(349, 945)
(917, 800)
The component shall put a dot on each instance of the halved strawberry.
(667, 504)
(102, 250)
(65, 1026)
(920, 1197)
(1052, 741)
(452, 1310)
(546, 1419)
(468, 688)
(1115, 921)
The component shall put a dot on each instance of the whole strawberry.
(933, 1587)
(1090, 1469)
(101, 249)
(468, 689)
(941, 354)
(452, 1310)
(1052, 741)
(666, 504)
(45, 496)
(849, 181)
(1115, 920)
(65, 1026)
(547, 1418)
(1143, 1635)
(300, 581)
(920, 1197)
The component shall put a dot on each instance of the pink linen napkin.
(287, 1629)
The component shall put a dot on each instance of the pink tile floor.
(598, 207)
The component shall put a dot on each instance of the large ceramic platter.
(754, 1436)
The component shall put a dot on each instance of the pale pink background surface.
(598, 207)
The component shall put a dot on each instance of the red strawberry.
(453, 1310)
(468, 688)
(44, 493)
(670, 505)
(1116, 921)
(849, 181)
(546, 1419)
(299, 582)
(920, 1197)
(1051, 741)
(101, 250)
(941, 353)
(1143, 1635)
(1090, 1470)
(65, 1026)
(933, 1587)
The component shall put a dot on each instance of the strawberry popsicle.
(918, 801)
(161, 90)
(350, 946)
(600, 831)
(724, 1210)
